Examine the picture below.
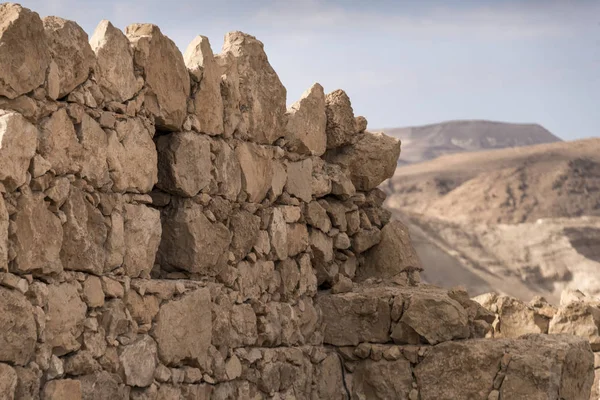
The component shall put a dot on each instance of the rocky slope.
(169, 230)
(523, 221)
(423, 143)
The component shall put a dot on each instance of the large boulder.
(383, 379)
(94, 145)
(228, 172)
(184, 161)
(207, 100)
(230, 95)
(299, 179)
(58, 144)
(262, 95)
(370, 161)
(183, 329)
(18, 141)
(24, 56)
(341, 125)
(70, 51)
(168, 81)
(393, 255)
(306, 123)
(114, 70)
(38, 236)
(18, 333)
(191, 242)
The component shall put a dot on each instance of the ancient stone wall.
(169, 230)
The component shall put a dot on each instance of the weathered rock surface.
(306, 123)
(370, 161)
(168, 82)
(114, 69)
(341, 127)
(17, 328)
(262, 96)
(23, 50)
(70, 51)
(207, 100)
(257, 170)
(18, 140)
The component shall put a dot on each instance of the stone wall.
(577, 315)
(169, 230)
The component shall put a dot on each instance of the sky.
(403, 63)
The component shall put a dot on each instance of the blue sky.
(404, 62)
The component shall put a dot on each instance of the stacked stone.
(169, 230)
(577, 315)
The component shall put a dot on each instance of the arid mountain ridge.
(524, 221)
(421, 143)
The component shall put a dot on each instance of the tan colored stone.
(24, 56)
(278, 234)
(299, 175)
(66, 314)
(317, 216)
(94, 143)
(28, 382)
(38, 238)
(306, 123)
(58, 144)
(580, 319)
(168, 81)
(92, 291)
(361, 124)
(4, 223)
(322, 246)
(297, 239)
(183, 329)
(191, 242)
(18, 140)
(139, 361)
(62, 389)
(262, 96)
(70, 50)
(436, 318)
(279, 180)
(341, 127)
(244, 227)
(517, 318)
(102, 386)
(208, 104)
(142, 237)
(227, 169)
(185, 165)
(18, 333)
(132, 157)
(365, 239)
(370, 161)
(257, 170)
(114, 70)
(392, 255)
(84, 235)
(382, 379)
(230, 94)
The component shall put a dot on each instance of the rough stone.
(578, 319)
(306, 123)
(228, 171)
(168, 82)
(245, 227)
(257, 170)
(392, 255)
(185, 165)
(183, 329)
(62, 389)
(191, 242)
(18, 333)
(114, 69)
(208, 104)
(70, 51)
(299, 179)
(139, 361)
(262, 96)
(341, 127)
(317, 216)
(66, 314)
(38, 238)
(23, 51)
(142, 238)
(18, 141)
(370, 161)
(58, 144)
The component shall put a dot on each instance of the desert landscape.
(172, 229)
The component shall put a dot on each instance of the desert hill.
(427, 142)
(522, 221)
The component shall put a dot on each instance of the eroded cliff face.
(168, 230)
